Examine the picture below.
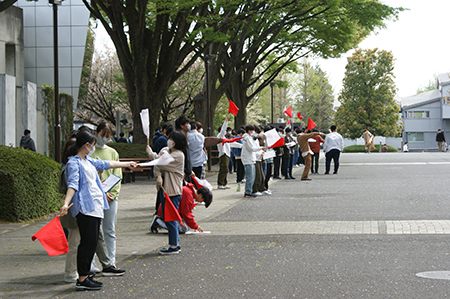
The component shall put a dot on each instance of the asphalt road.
(379, 187)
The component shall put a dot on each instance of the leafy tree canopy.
(367, 97)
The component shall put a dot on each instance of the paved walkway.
(27, 271)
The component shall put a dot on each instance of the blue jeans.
(294, 161)
(172, 226)
(249, 177)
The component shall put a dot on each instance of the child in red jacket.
(185, 209)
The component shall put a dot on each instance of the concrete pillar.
(8, 110)
(29, 112)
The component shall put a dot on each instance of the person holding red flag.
(306, 150)
(85, 191)
(173, 182)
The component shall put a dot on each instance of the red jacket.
(187, 204)
(315, 146)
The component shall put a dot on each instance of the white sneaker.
(71, 279)
(257, 193)
(226, 187)
(220, 187)
(243, 181)
(267, 192)
(296, 166)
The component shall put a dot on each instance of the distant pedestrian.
(224, 159)
(27, 142)
(130, 138)
(333, 146)
(198, 155)
(405, 147)
(384, 148)
(248, 157)
(440, 138)
(122, 138)
(368, 141)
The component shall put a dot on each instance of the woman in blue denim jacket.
(85, 191)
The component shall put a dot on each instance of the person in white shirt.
(198, 156)
(248, 157)
(405, 147)
(333, 146)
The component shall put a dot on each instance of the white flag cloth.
(145, 122)
(272, 137)
(165, 159)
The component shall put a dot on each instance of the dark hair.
(207, 196)
(164, 126)
(249, 128)
(228, 128)
(180, 140)
(181, 121)
(288, 129)
(131, 133)
(122, 134)
(169, 130)
(82, 138)
(199, 125)
(85, 128)
(26, 132)
(333, 127)
(193, 125)
(257, 129)
(66, 151)
(241, 131)
(104, 126)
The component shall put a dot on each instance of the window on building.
(416, 137)
(418, 114)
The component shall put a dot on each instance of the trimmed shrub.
(129, 150)
(28, 184)
(360, 149)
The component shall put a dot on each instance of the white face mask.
(201, 131)
(188, 128)
(91, 151)
(170, 144)
(101, 141)
(229, 132)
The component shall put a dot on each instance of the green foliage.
(360, 149)
(129, 150)
(367, 97)
(28, 184)
(314, 95)
(65, 116)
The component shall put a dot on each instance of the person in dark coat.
(440, 138)
(27, 142)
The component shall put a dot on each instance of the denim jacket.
(76, 179)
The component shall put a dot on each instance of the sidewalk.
(28, 272)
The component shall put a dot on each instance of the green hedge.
(360, 149)
(28, 184)
(129, 150)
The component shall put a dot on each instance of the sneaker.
(257, 193)
(88, 285)
(179, 248)
(94, 268)
(277, 178)
(70, 279)
(243, 181)
(226, 187)
(169, 250)
(112, 271)
(249, 195)
(267, 192)
(292, 178)
(91, 278)
(296, 166)
(221, 187)
(154, 225)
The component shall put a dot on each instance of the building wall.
(8, 110)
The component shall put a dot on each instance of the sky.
(419, 41)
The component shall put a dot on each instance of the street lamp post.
(57, 128)
(272, 84)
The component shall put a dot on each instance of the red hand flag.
(52, 238)
(311, 124)
(273, 139)
(288, 122)
(299, 115)
(232, 108)
(289, 112)
(226, 140)
(170, 213)
(198, 183)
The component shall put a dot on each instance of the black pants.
(286, 167)
(89, 227)
(332, 154)
(268, 175)
(198, 171)
(315, 163)
(276, 166)
(240, 170)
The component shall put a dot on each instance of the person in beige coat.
(306, 152)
